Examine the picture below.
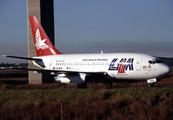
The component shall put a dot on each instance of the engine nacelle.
(63, 78)
(39, 64)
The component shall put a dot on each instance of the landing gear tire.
(82, 85)
(107, 84)
(87, 79)
(150, 85)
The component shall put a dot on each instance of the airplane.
(83, 68)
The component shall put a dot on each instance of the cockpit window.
(159, 61)
(151, 61)
(154, 61)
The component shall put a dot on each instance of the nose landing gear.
(150, 85)
(151, 81)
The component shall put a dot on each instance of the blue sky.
(88, 26)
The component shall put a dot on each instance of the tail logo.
(40, 44)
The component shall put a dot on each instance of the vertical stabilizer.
(43, 45)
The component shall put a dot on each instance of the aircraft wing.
(99, 74)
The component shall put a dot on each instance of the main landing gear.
(84, 85)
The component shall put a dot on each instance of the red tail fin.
(43, 45)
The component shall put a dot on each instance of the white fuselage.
(82, 68)
(128, 66)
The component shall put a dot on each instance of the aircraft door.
(51, 64)
(138, 64)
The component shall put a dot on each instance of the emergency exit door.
(138, 64)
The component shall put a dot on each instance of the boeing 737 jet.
(83, 68)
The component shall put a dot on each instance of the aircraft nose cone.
(166, 69)
(170, 69)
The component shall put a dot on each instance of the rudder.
(43, 45)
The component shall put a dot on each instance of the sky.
(89, 26)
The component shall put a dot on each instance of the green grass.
(120, 103)
(29, 97)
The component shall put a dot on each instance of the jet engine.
(80, 78)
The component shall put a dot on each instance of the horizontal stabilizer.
(28, 69)
(25, 58)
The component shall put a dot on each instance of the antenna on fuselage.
(101, 52)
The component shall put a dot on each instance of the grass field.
(126, 101)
